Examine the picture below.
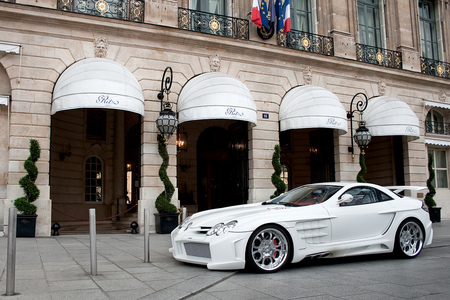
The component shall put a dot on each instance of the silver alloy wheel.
(269, 249)
(410, 238)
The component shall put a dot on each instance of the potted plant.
(166, 219)
(26, 219)
(435, 212)
(276, 179)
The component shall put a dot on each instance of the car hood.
(251, 212)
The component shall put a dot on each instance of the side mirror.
(346, 198)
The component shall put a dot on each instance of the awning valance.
(9, 48)
(98, 83)
(311, 106)
(386, 116)
(4, 100)
(215, 96)
(437, 142)
(437, 104)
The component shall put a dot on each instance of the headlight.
(221, 228)
(185, 224)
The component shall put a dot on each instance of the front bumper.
(224, 252)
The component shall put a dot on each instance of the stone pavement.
(59, 268)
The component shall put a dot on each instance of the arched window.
(435, 123)
(93, 180)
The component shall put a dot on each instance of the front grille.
(197, 249)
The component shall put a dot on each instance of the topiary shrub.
(162, 203)
(363, 171)
(429, 200)
(276, 179)
(24, 204)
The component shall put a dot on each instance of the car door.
(368, 215)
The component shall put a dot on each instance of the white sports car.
(314, 220)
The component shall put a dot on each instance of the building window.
(369, 23)
(93, 180)
(217, 7)
(301, 15)
(96, 125)
(435, 123)
(428, 31)
(440, 167)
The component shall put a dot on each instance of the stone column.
(343, 28)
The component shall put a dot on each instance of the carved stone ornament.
(307, 75)
(382, 87)
(214, 63)
(443, 96)
(100, 47)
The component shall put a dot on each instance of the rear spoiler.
(411, 191)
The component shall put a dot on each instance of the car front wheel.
(409, 239)
(268, 249)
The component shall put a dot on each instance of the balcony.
(200, 21)
(379, 56)
(434, 67)
(437, 127)
(306, 41)
(130, 10)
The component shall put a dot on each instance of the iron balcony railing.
(306, 41)
(437, 127)
(200, 21)
(435, 67)
(379, 56)
(130, 10)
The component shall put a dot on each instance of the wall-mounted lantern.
(167, 122)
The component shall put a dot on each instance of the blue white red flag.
(256, 15)
(287, 15)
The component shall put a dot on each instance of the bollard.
(146, 236)
(93, 236)
(184, 214)
(11, 259)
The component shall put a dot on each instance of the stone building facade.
(82, 77)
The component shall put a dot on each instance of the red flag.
(256, 15)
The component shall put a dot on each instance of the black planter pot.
(165, 222)
(26, 226)
(435, 214)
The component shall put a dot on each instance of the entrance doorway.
(222, 166)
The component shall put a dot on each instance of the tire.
(268, 249)
(409, 239)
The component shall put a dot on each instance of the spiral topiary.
(429, 201)
(162, 203)
(24, 204)
(276, 179)
(363, 171)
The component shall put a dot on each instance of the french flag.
(287, 15)
(256, 14)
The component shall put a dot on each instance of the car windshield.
(306, 195)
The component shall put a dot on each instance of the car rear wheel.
(268, 249)
(409, 239)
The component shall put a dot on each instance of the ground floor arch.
(94, 159)
(214, 169)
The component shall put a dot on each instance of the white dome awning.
(311, 106)
(97, 83)
(387, 116)
(215, 96)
